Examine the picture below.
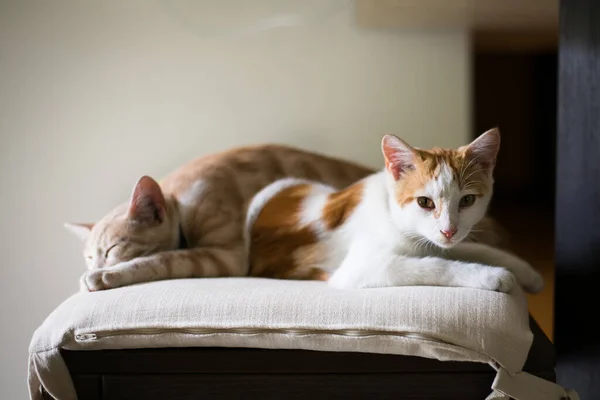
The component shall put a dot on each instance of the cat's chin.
(446, 244)
(442, 244)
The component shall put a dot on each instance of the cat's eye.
(425, 202)
(109, 249)
(467, 201)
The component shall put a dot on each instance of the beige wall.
(94, 94)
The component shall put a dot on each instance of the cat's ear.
(147, 204)
(82, 231)
(399, 156)
(484, 149)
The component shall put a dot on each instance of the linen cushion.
(442, 323)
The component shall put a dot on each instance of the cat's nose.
(448, 233)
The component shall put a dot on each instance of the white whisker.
(465, 168)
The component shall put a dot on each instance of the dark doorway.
(578, 198)
(517, 92)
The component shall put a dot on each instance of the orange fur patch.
(428, 166)
(280, 247)
(340, 205)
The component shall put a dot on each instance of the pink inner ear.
(399, 156)
(484, 149)
(147, 201)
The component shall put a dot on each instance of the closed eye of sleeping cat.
(121, 249)
(403, 225)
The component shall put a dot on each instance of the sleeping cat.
(404, 225)
(192, 223)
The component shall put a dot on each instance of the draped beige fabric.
(434, 322)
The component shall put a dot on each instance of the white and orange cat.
(405, 225)
(192, 223)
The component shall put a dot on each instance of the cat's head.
(440, 194)
(139, 227)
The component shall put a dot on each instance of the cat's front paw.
(99, 279)
(91, 281)
(497, 279)
(527, 276)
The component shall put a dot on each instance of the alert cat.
(405, 225)
(192, 223)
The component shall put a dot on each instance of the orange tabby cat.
(192, 223)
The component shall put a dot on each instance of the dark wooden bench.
(241, 373)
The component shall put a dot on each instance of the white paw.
(99, 279)
(527, 276)
(498, 279)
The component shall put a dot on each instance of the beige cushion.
(434, 322)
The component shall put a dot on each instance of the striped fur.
(375, 233)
